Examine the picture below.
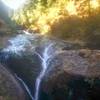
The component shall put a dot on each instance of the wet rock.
(27, 67)
(22, 56)
(73, 75)
(10, 88)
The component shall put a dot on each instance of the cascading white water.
(44, 59)
(26, 87)
(22, 43)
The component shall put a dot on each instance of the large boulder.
(27, 64)
(20, 56)
(27, 67)
(72, 75)
(10, 88)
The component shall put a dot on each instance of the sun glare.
(71, 8)
(94, 4)
(14, 4)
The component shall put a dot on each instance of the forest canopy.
(63, 18)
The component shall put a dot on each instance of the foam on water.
(45, 58)
(19, 43)
(24, 42)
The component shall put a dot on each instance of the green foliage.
(52, 18)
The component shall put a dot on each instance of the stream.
(20, 44)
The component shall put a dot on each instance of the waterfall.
(17, 45)
(26, 87)
(21, 43)
(44, 59)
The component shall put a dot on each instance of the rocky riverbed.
(73, 71)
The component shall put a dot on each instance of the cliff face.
(4, 33)
(6, 25)
(3, 27)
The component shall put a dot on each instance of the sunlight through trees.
(41, 15)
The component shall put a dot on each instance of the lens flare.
(14, 4)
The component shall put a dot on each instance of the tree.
(49, 16)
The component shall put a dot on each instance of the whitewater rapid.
(45, 58)
(25, 42)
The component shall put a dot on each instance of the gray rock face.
(10, 89)
(73, 75)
